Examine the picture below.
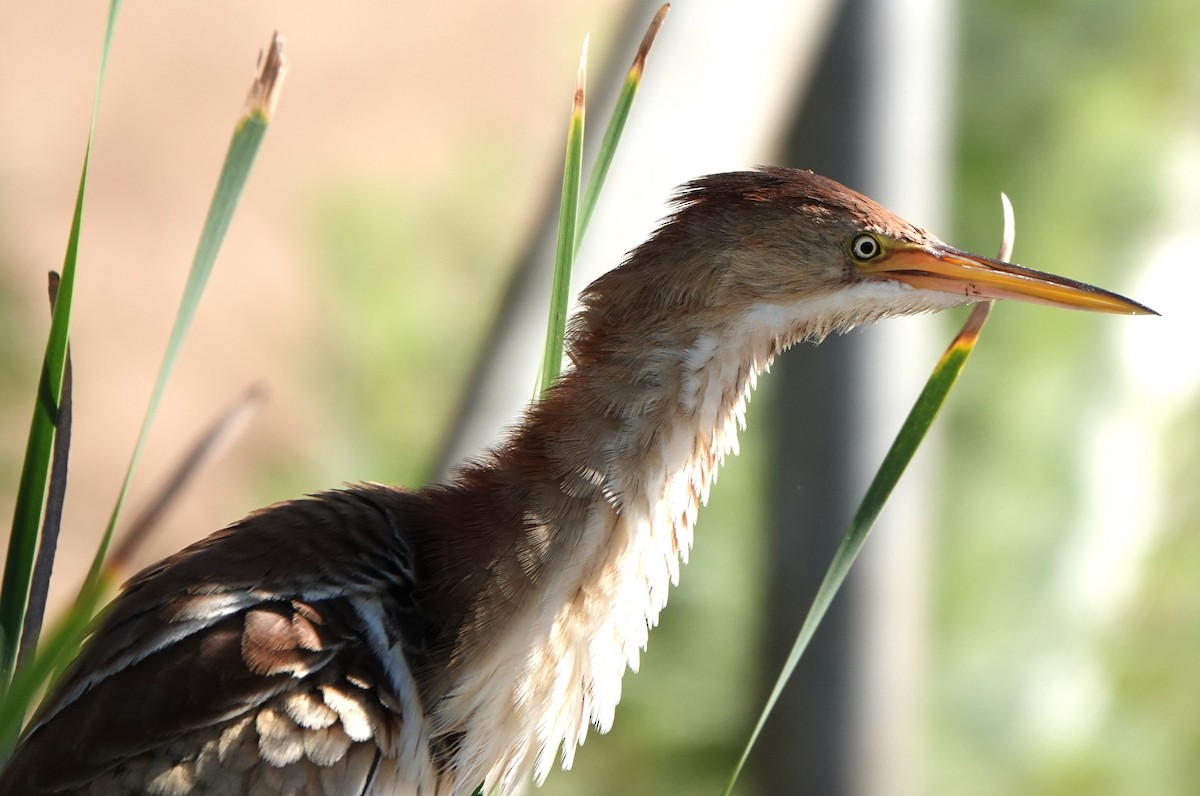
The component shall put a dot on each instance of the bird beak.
(939, 267)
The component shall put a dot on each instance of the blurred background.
(1028, 615)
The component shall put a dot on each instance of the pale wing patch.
(308, 711)
(236, 750)
(280, 740)
(327, 745)
(351, 711)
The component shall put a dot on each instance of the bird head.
(786, 254)
(796, 233)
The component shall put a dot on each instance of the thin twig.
(43, 567)
(216, 436)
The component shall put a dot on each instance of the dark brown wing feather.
(222, 656)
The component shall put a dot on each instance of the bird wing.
(268, 658)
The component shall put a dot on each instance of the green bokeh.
(1071, 108)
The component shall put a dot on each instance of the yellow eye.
(865, 247)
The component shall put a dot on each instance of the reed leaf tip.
(1010, 228)
(639, 60)
(264, 91)
(581, 77)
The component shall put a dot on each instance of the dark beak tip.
(1138, 308)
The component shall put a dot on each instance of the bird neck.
(559, 549)
(598, 492)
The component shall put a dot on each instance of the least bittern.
(385, 640)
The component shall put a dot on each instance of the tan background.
(390, 94)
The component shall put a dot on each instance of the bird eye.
(865, 247)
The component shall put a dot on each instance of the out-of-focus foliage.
(1076, 110)
(401, 274)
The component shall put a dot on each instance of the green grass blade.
(67, 634)
(239, 159)
(62, 642)
(616, 125)
(898, 456)
(564, 254)
(919, 419)
(574, 214)
(31, 493)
